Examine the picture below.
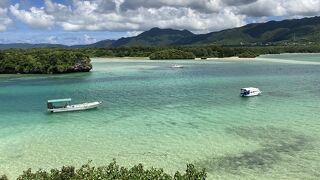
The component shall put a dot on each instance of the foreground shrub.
(3, 177)
(112, 171)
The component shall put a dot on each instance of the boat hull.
(76, 107)
(177, 66)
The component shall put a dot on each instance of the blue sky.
(20, 32)
(87, 21)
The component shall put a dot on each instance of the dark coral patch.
(275, 144)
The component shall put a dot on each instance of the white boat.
(250, 91)
(177, 66)
(63, 105)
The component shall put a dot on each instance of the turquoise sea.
(165, 117)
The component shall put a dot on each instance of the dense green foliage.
(112, 171)
(201, 51)
(247, 54)
(172, 54)
(121, 51)
(43, 61)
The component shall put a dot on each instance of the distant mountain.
(27, 45)
(294, 30)
(298, 30)
(99, 44)
(154, 37)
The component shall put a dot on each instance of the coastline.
(236, 58)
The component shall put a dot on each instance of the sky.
(73, 22)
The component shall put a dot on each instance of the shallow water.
(166, 117)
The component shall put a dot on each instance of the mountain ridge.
(289, 30)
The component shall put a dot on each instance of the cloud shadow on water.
(276, 144)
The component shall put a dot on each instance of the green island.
(68, 60)
(43, 61)
(112, 171)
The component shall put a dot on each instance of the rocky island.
(43, 61)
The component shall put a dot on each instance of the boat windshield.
(245, 92)
(58, 103)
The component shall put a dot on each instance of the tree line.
(201, 51)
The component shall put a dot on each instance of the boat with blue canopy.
(63, 105)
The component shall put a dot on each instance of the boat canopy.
(59, 100)
(250, 89)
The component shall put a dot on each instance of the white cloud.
(140, 15)
(52, 40)
(200, 5)
(184, 18)
(133, 33)
(302, 8)
(59, 11)
(88, 39)
(35, 17)
(118, 3)
(4, 19)
(96, 15)
(287, 8)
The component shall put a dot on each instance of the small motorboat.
(250, 91)
(177, 66)
(63, 105)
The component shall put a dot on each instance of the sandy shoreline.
(234, 58)
(227, 58)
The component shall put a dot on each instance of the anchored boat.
(63, 105)
(177, 66)
(250, 91)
